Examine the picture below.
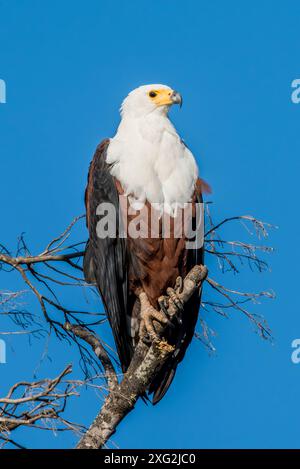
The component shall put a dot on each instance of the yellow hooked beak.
(165, 97)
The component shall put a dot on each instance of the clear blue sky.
(67, 66)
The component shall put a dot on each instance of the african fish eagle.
(147, 163)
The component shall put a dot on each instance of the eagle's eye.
(152, 94)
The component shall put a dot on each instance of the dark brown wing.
(105, 261)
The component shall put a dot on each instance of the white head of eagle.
(148, 156)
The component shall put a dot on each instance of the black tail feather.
(162, 382)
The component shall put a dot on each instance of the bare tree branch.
(145, 364)
(59, 265)
(27, 403)
(99, 350)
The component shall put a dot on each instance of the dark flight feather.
(105, 259)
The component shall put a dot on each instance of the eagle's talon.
(163, 304)
(179, 320)
(174, 298)
(146, 338)
(179, 285)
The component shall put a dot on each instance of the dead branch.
(99, 350)
(43, 401)
(42, 284)
(59, 265)
(145, 364)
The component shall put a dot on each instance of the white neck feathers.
(151, 162)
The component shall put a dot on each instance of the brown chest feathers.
(156, 246)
